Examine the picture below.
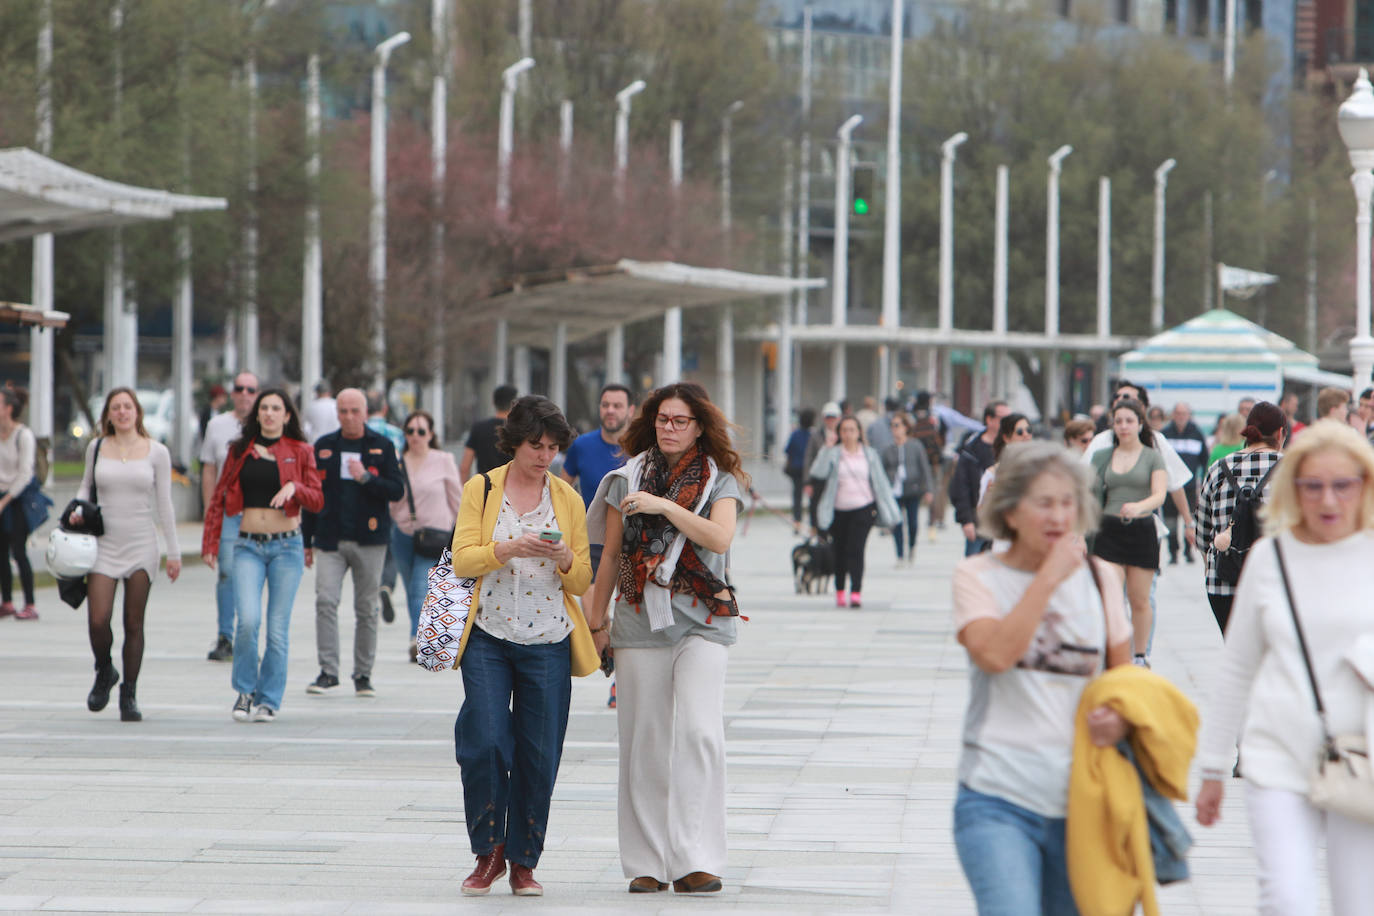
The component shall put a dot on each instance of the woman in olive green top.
(1132, 482)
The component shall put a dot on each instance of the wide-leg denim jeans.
(279, 565)
(1013, 858)
(224, 583)
(508, 740)
(414, 570)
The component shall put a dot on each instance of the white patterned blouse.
(522, 602)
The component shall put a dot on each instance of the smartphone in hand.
(552, 535)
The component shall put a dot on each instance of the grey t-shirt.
(1115, 490)
(630, 629)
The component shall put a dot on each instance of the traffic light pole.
(840, 284)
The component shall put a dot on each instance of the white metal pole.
(182, 300)
(526, 26)
(999, 251)
(248, 335)
(804, 171)
(725, 216)
(672, 318)
(615, 354)
(948, 152)
(725, 361)
(622, 135)
(1311, 323)
(312, 290)
(1157, 267)
(1052, 243)
(377, 223)
(438, 120)
(839, 299)
(1228, 65)
(1362, 344)
(892, 208)
(565, 144)
(520, 368)
(500, 367)
(40, 338)
(725, 333)
(782, 369)
(1104, 256)
(506, 132)
(114, 265)
(558, 365)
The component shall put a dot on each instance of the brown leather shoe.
(489, 867)
(698, 882)
(522, 883)
(647, 885)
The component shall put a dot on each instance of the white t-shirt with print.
(1018, 730)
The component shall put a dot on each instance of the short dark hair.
(532, 418)
(891, 405)
(18, 398)
(1142, 395)
(503, 397)
(807, 418)
(990, 411)
(376, 402)
(1366, 394)
(616, 386)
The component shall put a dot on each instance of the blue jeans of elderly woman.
(414, 572)
(1014, 858)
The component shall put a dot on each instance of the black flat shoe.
(128, 705)
(105, 679)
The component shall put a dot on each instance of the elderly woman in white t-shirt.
(1320, 517)
(1038, 623)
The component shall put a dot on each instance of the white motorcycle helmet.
(70, 554)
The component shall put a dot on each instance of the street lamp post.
(840, 284)
(506, 133)
(1052, 276)
(1356, 123)
(622, 135)
(948, 151)
(1157, 271)
(725, 332)
(892, 205)
(377, 224)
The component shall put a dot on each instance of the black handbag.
(92, 522)
(426, 542)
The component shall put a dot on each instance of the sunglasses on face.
(244, 389)
(416, 431)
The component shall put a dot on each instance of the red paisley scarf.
(647, 538)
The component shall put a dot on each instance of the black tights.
(850, 532)
(16, 543)
(100, 591)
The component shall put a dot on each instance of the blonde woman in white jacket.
(1320, 516)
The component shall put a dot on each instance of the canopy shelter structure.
(41, 197)
(1217, 358)
(556, 308)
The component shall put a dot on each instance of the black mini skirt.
(1128, 543)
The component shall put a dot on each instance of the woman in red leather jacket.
(269, 476)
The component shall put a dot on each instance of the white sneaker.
(264, 714)
(1142, 661)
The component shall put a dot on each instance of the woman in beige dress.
(133, 477)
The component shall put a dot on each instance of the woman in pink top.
(433, 494)
(856, 495)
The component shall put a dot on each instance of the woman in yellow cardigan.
(525, 537)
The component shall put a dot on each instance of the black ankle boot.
(128, 705)
(105, 678)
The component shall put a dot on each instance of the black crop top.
(259, 479)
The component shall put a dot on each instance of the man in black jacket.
(361, 476)
(1191, 445)
(975, 457)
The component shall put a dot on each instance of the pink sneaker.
(841, 598)
(855, 600)
(27, 612)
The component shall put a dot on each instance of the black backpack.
(1245, 524)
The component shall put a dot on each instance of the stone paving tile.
(842, 740)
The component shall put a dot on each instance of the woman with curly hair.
(668, 518)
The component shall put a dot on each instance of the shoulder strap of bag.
(1230, 475)
(1302, 640)
(1101, 594)
(95, 456)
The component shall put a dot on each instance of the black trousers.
(1221, 609)
(1171, 521)
(798, 485)
(849, 532)
(14, 534)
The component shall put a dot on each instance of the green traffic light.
(860, 206)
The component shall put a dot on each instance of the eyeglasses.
(663, 421)
(1086, 440)
(416, 431)
(1342, 488)
(244, 389)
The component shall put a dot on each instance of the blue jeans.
(414, 571)
(1014, 859)
(224, 585)
(279, 564)
(509, 739)
(910, 510)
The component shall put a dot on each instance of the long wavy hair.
(252, 428)
(107, 425)
(1146, 435)
(641, 435)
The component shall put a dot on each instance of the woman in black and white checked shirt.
(1265, 434)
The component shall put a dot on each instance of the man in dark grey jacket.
(975, 457)
(361, 476)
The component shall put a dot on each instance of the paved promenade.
(843, 740)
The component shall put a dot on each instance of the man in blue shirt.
(595, 454)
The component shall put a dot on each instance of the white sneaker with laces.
(243, 707)
(264, 714)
